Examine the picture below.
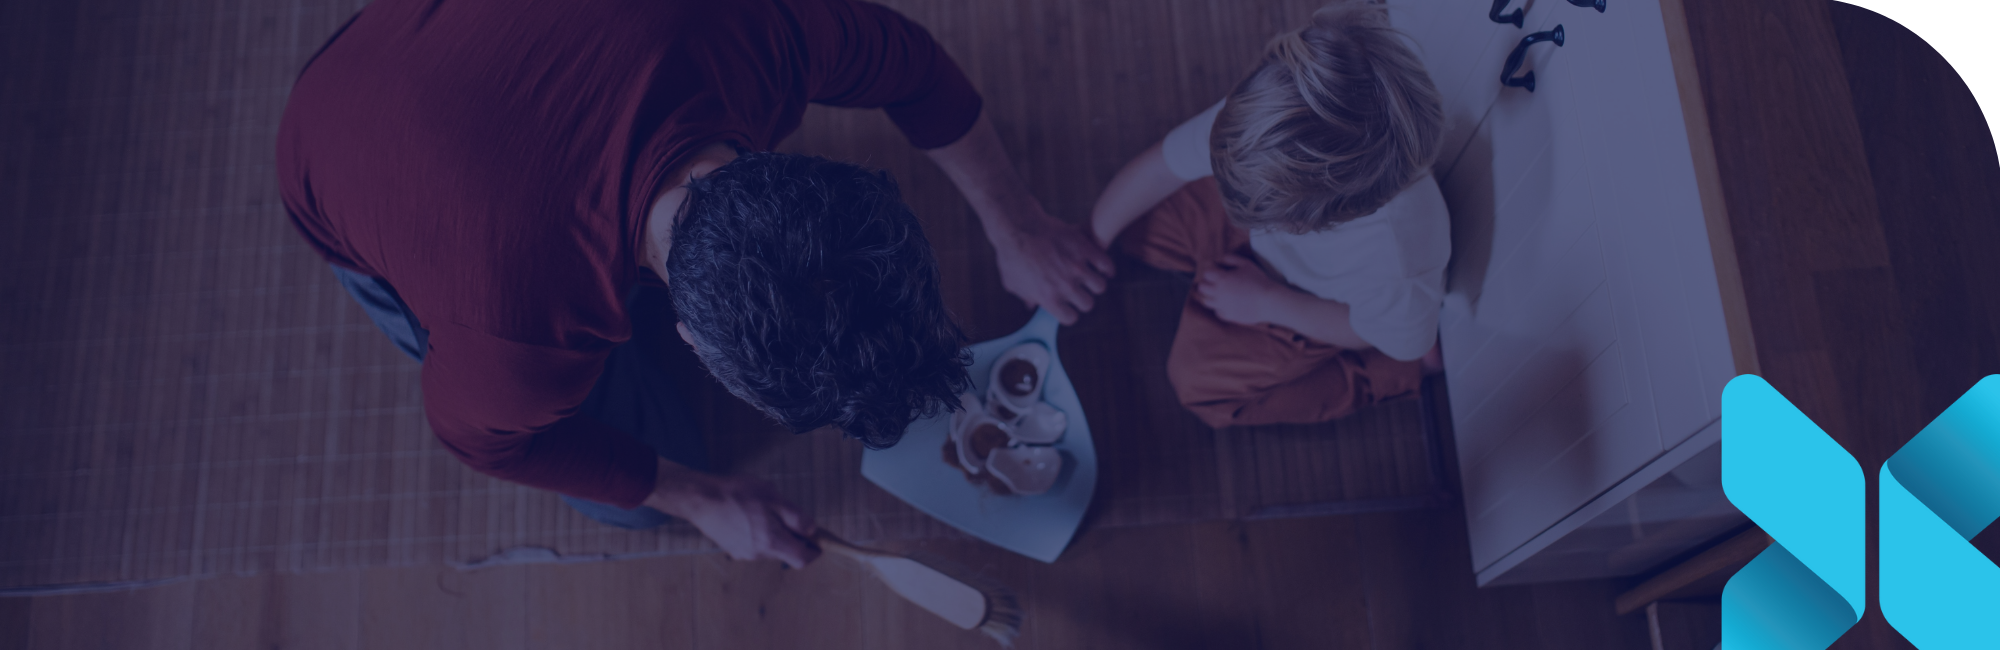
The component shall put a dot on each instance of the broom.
(991, 609)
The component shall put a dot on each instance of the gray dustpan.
(1037, 526)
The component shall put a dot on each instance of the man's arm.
(1044, 261)
(861, 54)
(507, 410)
(743, 515)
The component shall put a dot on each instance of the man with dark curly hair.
(499, 182)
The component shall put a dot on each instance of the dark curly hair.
(811, 293)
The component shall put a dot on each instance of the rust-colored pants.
(1230, 374)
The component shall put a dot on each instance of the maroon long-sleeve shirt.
(494, 160)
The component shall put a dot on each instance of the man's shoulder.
(480, 373)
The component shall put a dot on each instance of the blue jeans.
(634, 394)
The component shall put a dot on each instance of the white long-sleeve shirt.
(1387, 267)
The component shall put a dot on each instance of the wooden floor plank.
(1141, 588)
(1686, 625)
(317, 611)
(1854, 190)
(1421, 594)
(438, 607)
(1580, 616)
(237, 612)
(1381, 581)
(832, 603)
(15, 622)
(605, 605)
(1310, 583)
(160, 618)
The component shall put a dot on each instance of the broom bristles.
(1003, 616)
(1003, 611)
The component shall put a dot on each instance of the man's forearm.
(675, 487)
(1046, 262)
(978, 165)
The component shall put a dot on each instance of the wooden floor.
(157, 306)
(195, 395)
(1386, 581)
(190, 398)
(1865, 203)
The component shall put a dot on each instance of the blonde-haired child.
(1304, 207)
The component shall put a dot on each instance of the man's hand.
(1240, 292)
(1044, 261)
(1051, 264)
(743, 515)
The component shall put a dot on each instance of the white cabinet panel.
(1531, 350)
(1674, 303)
(1674, 504)
(1462, 50)
(1583, 328)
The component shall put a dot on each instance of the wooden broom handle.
(829, 542)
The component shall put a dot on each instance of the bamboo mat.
(189, 392)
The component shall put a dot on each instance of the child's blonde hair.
(1337, 119)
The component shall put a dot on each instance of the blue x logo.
(1807, 492)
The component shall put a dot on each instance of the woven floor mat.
(189, 392)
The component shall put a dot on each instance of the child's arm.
(1318, 319)
(1141, 184)
(1240, 291)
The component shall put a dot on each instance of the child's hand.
(1240, 292)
